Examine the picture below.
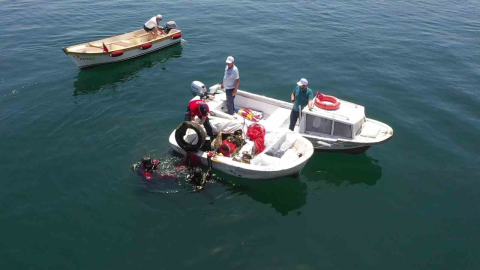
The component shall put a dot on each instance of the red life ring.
(177, 35)
(327, 102)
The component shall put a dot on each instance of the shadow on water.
(95, 79)
(340, 169)
(284, 194)
(289, 193)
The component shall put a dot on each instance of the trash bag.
(247, 147)
(259, 144)
(256, 131)
(267, 161)
(289, 141)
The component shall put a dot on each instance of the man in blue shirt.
(301, 96)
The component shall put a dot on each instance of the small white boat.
(274, 162)
(122, 47)
(345, 129)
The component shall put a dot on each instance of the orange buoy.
(177, 35)
(326, 102)
(116, 53)
(146, 46)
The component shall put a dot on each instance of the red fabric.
(256, 131)
(227, 151)
(105, 49)
(259, 144)
(194, 106)
(194, 159)
(147, 175)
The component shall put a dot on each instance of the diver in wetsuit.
(148, 170)
(197, 177)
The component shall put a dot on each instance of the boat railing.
(334, 115)
(122, 42)
(287, 105)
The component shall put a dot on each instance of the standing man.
(231, 81)
(199, 108)
(301, 96)
(153, 27)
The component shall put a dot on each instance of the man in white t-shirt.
(231, 81)
(153, 27)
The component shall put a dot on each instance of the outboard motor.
(170, 25)
(198, 89)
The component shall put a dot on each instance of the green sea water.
(68, 199)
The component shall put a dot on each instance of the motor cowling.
(198, 88)
(170, 25)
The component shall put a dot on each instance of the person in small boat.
(153, 27)
(301, 96)
(231, 81)
(199, 108)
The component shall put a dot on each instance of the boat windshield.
(358, 126)
(318, 125)
(342, 130)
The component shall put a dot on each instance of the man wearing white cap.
(231, 81)
(301, 96)
(153, 24)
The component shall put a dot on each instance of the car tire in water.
(182, 130)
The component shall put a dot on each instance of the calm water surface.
(68, 199)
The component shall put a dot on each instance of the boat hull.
(245, 170)
(349, 150)
(320, 143)
(86, 61)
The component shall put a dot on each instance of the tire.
(182, 130)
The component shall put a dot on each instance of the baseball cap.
(159, 16)
(204, 109)
(230, 59)
(302, 81)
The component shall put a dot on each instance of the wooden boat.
(120, 48)
(271, 163)
(345, 129)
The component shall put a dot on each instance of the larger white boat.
(345, 129)
(122, 47)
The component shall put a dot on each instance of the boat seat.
(122, 43)
(96, 44)
(89, 50)
(278, 117)
(369, 130)
(141, 35)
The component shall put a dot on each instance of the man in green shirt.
(301, 96)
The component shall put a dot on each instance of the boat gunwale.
(254, 168)
(66, 49)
